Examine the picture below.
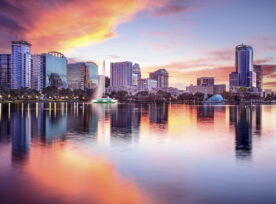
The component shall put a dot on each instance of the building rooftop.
(243, 46)
(56, 54)
(21, 42)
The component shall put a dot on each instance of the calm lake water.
(84, 153)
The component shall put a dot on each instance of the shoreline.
(148, 102)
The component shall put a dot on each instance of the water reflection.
(246, 120)
(205, 113)
(66, 151)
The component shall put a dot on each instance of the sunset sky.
(188, 38)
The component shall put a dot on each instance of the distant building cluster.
(127, 77)
(247, 76)
(37, 71)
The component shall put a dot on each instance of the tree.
(50, 91)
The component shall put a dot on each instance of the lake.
(133, 153)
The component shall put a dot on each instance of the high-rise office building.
(233, 81)
(162, 78)
(147, 84)
(244, 65)
(55, 65)
(20, 64)
(5, 70)
(258, 69)
(49, 69)
(93, 72)
(82, 75)
(121, 74)
(136, 75)
(37, 73)
(77, 74)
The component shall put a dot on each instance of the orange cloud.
(80, 23)
(64, 24)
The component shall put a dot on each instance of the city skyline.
(188, 39)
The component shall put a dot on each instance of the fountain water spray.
(99, 95)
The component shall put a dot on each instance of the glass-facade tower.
(82, 75)
(49, 69)
(21, 64)
(55, 65)
(244, 65)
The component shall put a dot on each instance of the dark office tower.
(233, 81)
(258, 69)
(162, 78)
(5, 70)
(244, 65)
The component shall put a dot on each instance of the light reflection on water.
(92, 153)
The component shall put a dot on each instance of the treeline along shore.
(52, 93)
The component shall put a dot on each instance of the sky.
(189, 38)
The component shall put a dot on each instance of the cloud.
(271, 84)
(269, 70)
(165, 8)
(65, 24)
(223, 54)
(265, 43)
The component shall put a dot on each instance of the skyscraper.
(5, 70)
(82, 75)
(136, 75)
(21, 64)
(55, 66)
(93, 72)
(37, 73)
(121, 74)
(258, 69)
(162, 78)
(244, 65)
(233, 81)
(49, 69)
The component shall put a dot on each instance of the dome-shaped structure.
(216, 98)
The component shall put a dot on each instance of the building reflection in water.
(158, 113)
(205, 113)
(125, 121)
(100, 122)
(21, 132)
(247, 119)
(5, 126)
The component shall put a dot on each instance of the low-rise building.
(147, 85)
(206, 85)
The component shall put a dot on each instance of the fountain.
(99, 96)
